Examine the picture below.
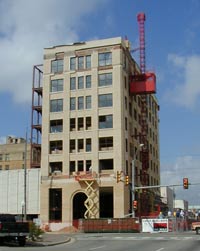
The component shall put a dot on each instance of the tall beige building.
(91, 130)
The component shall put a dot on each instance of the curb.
(45, 244)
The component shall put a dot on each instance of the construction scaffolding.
(36, 116)
(90, 182)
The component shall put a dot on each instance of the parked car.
(195, 226)
(11, 230)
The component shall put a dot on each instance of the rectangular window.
(56, 147)
(125, 83)
(80, 166)
(88, 62)
(80, 82)
(80, 124)
(57, 66)
(126, 124)
(1, 157)
(105, 100)
(55, 204)
(80, 103)
(106, 164)
(105, 143)
(135, 114)
(105, 79)
(105, 121)
(55, 167)
(88, 104)
(56, 126)
(72, 145)
(72, 104)
(88, 165)
(23, 155)
(0, 167)
(7, 167)
(130, 109)
(88, 123)
(56, 85)
(105, 59)
(56, 105)
(88, 81)
(88, 145)
(126, 104)
(72, 124)
(81, 63)
(72, 166)
(7, 157)
(80, 145)
(126, 142)
(73, 64)
(72, 83)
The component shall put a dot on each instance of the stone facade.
(90, 124)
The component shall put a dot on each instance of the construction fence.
(132, 225)
(119, 225)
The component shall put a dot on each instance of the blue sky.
(172, 51)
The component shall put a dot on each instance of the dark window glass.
(80, 103)
(105, 100)
(56, 126)
(73, 63)
(80, 82)
(105, 59)
(88, 102)
(105, 79)
(88, 145)
(105, 143)
(56, 105)
(72, 166)
(55, 204)
(105, 121)
(56, 85)
(72, 104)
(88, 62)
(88, 81)
(80, 63)
(57, 66)
(73, 83)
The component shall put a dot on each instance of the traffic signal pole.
(158, 186)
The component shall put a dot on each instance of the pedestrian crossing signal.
(185, 183)
(135, 204)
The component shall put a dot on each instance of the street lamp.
(133, 179)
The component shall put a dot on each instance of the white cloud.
(186, 166)
(26, 27)
(186, 77)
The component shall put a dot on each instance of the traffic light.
(135, 204)
(118, 176)
(126, 180)
(185, 183)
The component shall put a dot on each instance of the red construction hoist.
(143, 83)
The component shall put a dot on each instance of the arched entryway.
(78, 207)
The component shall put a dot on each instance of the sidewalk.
(50, 239)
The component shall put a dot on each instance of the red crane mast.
(143, 83)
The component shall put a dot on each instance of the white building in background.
(12, 192)
(182, 204)
(167, 197)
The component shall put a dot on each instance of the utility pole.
(25, 183)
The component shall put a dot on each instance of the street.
(128, 242)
